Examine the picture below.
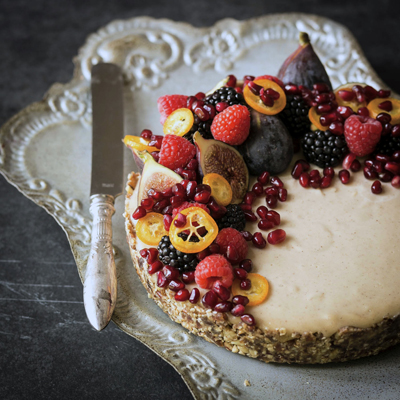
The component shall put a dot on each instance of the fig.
(217, 157)
(154, 176)
(303, 67)
(269, 146)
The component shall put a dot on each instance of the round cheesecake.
(334, 282)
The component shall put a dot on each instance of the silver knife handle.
(100, 286)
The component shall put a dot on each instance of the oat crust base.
(348, 343)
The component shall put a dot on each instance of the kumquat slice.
(258, 291)
(179, 122)
(220, 188)
(150, 229)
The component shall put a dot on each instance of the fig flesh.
(269, 146)
(154, 176)
(303, 67)
(217, 157)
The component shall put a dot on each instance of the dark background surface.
(47, 347)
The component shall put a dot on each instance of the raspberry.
(187, 204)
(232, 125)
(362, 134)
(214, 268)
(273, 79)
(176, 152)
(169, 103)
(232, 244)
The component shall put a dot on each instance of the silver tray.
(46, 148)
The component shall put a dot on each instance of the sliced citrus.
(150, 229)
(313, 116)
(255, 102)
(220, 188)
(138, 143)
(179, 122)
(197, 234)
(353, 104)
(374, 110)
(258, 291)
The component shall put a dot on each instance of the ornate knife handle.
(100, 286)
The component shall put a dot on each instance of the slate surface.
(48, 349)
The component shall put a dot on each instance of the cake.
(332, 260)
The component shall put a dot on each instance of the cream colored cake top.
(340, 263)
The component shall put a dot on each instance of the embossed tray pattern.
(45, 152)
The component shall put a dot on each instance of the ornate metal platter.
(45, 152)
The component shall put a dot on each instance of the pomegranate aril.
(189, 174)
(250, 216)
(170, 272)
(348, 160)
(176, 201)
(176, 285)
(202, 113)
(238, 90)
(305, 164)
(213, 205)
(363, 111)
(210, 299)
(156, 141)
(378, 166)
(232, 255)
(272, 201)
(257, 189)
(231, 81)
(396, 156)
(202, 197)
(359, 92)
(188, 277)
(326, 182)
(355, 166)
(369, 173)
(304, 180)
(274, 217)
(315, 182)
(370, 93)
(248, 237)
(322, 98)
(386, 105)
(246, 207)
(194, 296)
(162, 281)
(222, 292)
(200, 95)
(258, 240)
(383, 94)
(167, 220)
(152, 255)
(267, 100)
(167, 210)
(321, 87)
(167, 192)
(393, 167)
(144, 253)
(291, 89)
(315, 174)
(327, 119)
(146, 134)
(248, 319)
(191, 189)
(262, 212)
(221, 106)
(246, 264)
(324, 108)
(376, 187)
(238, 310)
(159, 206)
(214, 248)
(272, 93)
(271, 191)
(203, 254)
(240, 273)
(182, 295)
(180, 220)
(254, 88)
(297, 170)
(277, 236)
(265, 225)
(383, 118)
(190, 101)
(140, 212)
(224, 306)
(344, 176)
(387, 129)
(147, 203)
(264, 178)
(239, 299)
(396, 181)
(202, 186)
(179, 190)
(383, 158)
(386, 176)
(396, 130)
(210, 109)
(345, 111)
(329, 171)
(155, 267)
(245, 284)
(337, 128)
(369, 163)
(277, 182)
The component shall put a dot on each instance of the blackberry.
(234, 218)
(295, 115)
(170, 256)
(388, 144)
(204, 128)
(324, 149)
(227, 95)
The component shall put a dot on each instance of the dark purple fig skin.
(269, 146)
(303, 67)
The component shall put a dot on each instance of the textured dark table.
(48, 349)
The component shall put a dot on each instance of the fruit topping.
(169, 255)
(214, 156)
(352, 95)
(176, 152)
(376, 187)
(226, 95)
(138, 143)
(362, 134)
(179, 122)
(220, 188)
(233, 218)
(232, 245)
(323, 148)
(391, 106)
(258, 240)
(258, 291)
(212, 269)
(182, 295)
(232, 125)
(277, 236)
(269, 146)
(150, 228)
(194, 296)
(169, 103)
(198, 232)
(344, 176)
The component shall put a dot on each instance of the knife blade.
(100, 282)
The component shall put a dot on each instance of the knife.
(100, 283)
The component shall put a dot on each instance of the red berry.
(229, 237)
(176, 152)
(232, 125)
(213, 268)
(169, 103)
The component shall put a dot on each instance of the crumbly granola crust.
(348, 343)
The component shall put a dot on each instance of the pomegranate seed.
(202, 187)
(262, 212)
(254, 88)
(203, 254)
(249, 78)
(396, 156)
(363, 111)
(176, 285)
(276, 236)
(245, 284)
(179, 190)
(162, 281)
(188, 277)
(231, 81)
(180, 220)
(159, 206)
(348, 160)
(156, 141)
(239, 299)
(221, 106)
(345, 111)
(170, 272)
(383, 158)
(194, 296)
(176, 201)
(369, 163)
(246, 207)
(359, 92)
(327, 119)
(393, 167)
(238, 310)
(213, 205)
(271, 191)
(376, 187)
(322, 98)
(321, 87)
(387, 129)
(265, 225)
(257, 189)
(386, 176)
(383, 94)
(250, 216)
(232, 255)
(200, 96)
(370, 93)
(246, 264)
(147, 203)
(267, 100)
(337, 128)
(386, 105)
(344, 176)
(355, 166)
(314, 174)
(167, 220)
(224, 306)
(277, 182)
(190, 101)
(214, 248)
(329, 171)
(191, 189)
(155, 267)
(248, 237)
(146, 134)
(210, 299)
(144, 253)
(378, 166)
(396, 130)
(140, 212)
(192, 164)
(315, 182)
(272, 201)
(383, 118)
(297, 170)
(324, 108)
(264, 178)
(202, 197)
(210, 109)
(202, 113)
(274, 217)
(326, 182)
(240, 273)
(396, 181)
(238, 90)
(258, 240)
(291, 89)
(272, 93)
(152, 255)
(182, 295)
(248, 319)
(167, 192)
(222, 292)
(369, 173)
(305, 164)
(304, 180)
(168, 210)
(189, 174)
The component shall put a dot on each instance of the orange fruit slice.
(374, 110)
(220, 188)
(258, 291)
(353, 104)
(197, 221)
(313, 116)
(150, 229)
(138, 143)
(179, 122)
(256, 103)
